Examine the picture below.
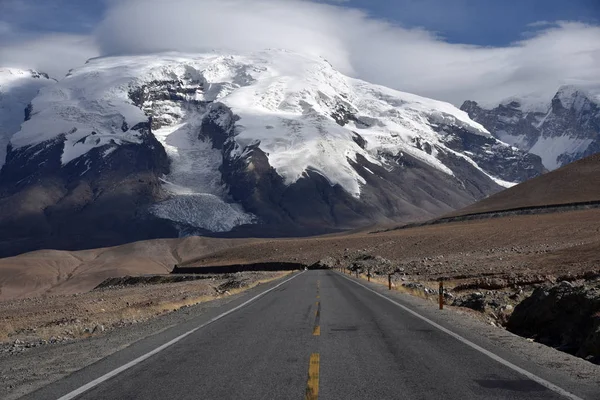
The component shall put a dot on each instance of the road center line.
(312, 386)
(317, 328)
(138, 360)
(495, 357)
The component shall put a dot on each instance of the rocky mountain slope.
(270, 143)
(560, 131)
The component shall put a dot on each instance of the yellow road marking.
(312, 386)
(317, 327)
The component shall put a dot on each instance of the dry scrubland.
(32, 322)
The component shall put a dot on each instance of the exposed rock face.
(96, 200)
(563, 316)
(565, 130)
(507, 122)
(497, 159)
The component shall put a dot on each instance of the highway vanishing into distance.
(314, 335)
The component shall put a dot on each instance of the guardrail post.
(389, 281)
(441, 294)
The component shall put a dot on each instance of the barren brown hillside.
(65, 272)
(578, 182)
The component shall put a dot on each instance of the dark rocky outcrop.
(325, 263)
(506, 121)
(500, 160)
(565, 316)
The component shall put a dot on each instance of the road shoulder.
(570, 373)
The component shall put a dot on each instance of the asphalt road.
(318, 335)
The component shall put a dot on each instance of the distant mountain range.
(560, 131)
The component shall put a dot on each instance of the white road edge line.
(138, 360)
(488, 353)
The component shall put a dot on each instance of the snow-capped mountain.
(17, 88)
(561, 130)
(166, 144)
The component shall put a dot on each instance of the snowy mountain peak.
(17, 88)
(560, 130)
(216, 141)
(575, 97)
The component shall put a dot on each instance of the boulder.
(564, 316)
(590, 349)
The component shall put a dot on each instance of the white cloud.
(407, 59)
(411, 60)
(54, 54)
(239, 25)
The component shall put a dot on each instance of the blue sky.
(479, 22)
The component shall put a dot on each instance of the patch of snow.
(508, 120)
(518, 141)
(498, 181)
(550, 148)
(107, 152)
